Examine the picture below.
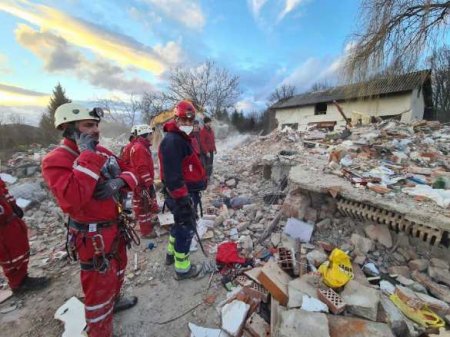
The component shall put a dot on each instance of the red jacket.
(72, 178)
(207, 141)
(195, 141)
(7, 202)
(180, 168)
(125, 155)
(141, 161)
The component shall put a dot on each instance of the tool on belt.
(126, 229)
(99, 261)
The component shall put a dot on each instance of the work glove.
(86, 142)
(17, 210)
(107, 189)
(184, 210)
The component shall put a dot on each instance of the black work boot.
(169, 260)
(124, 303)
(31, 284)
(192, 273)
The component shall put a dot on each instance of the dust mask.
(186, 129)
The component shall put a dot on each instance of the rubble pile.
(305, 269)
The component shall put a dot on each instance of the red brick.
(275, 280)
(332, 300)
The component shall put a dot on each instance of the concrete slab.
(341, 326)
(361, 301)
(300, 323)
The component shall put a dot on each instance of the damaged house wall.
(407, 96)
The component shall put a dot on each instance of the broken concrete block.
(439, 263)
(407, 282)
(332, 300)
(361, 301)
(400, 270)
(438, 306)
(198, 331)
(300, 230)
(409, 297)
(362, 245)
(275, 239)
(341, 326)
(257, 327)
(276, 281)
(393, 316)
(233, 316)
(440, 291)
(307, 284)
(419, 264)
(253, 273)
(5, 294)
(312, 304)
(71, 313)
(325, 223)
(275, 316)
(316, 257)
(379, 233)
(439, 275)
(300, 323)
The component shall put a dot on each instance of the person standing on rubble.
(125, 152)
(144, 197)
(208, 146)
(183, 177)
(14, 246)
(88, 182)
(195, 136)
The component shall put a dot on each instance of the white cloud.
(256, 6)
(4, 69)
(315, 70)
(171, 52)
(121, 49)
(187, 12)
(60, 56)
(250, 104)
(289, 6)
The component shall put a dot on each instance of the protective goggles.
(97, 113)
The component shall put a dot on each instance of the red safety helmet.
(185, 109)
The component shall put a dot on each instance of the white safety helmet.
(71, 112)
(143, 129)
(133, 129)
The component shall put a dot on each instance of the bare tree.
(282, 93)
(440, 64)
(319, 86)
(395, 34)
(121, 111)
(153, 103)
(208, 86)
(15, 118)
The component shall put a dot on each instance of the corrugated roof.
(383, 86)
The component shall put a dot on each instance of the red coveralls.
(14, 247)
(125, 156)
(72, 178)
(142, 163)
(207, 145)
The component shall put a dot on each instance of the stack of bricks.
(332, 300)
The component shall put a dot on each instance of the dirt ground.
(161, 299)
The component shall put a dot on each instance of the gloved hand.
(184, 209)
(17, 210)
(86, 142)
(107, 189)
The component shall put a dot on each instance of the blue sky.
(111, 49)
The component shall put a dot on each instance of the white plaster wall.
(365, 108)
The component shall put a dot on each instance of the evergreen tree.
(47, 122)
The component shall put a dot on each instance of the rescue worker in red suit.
(195, 136)
(87, 181)
(14, 247)
(207, 146)
(144, 197)
(184, 177)
(125, 153)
